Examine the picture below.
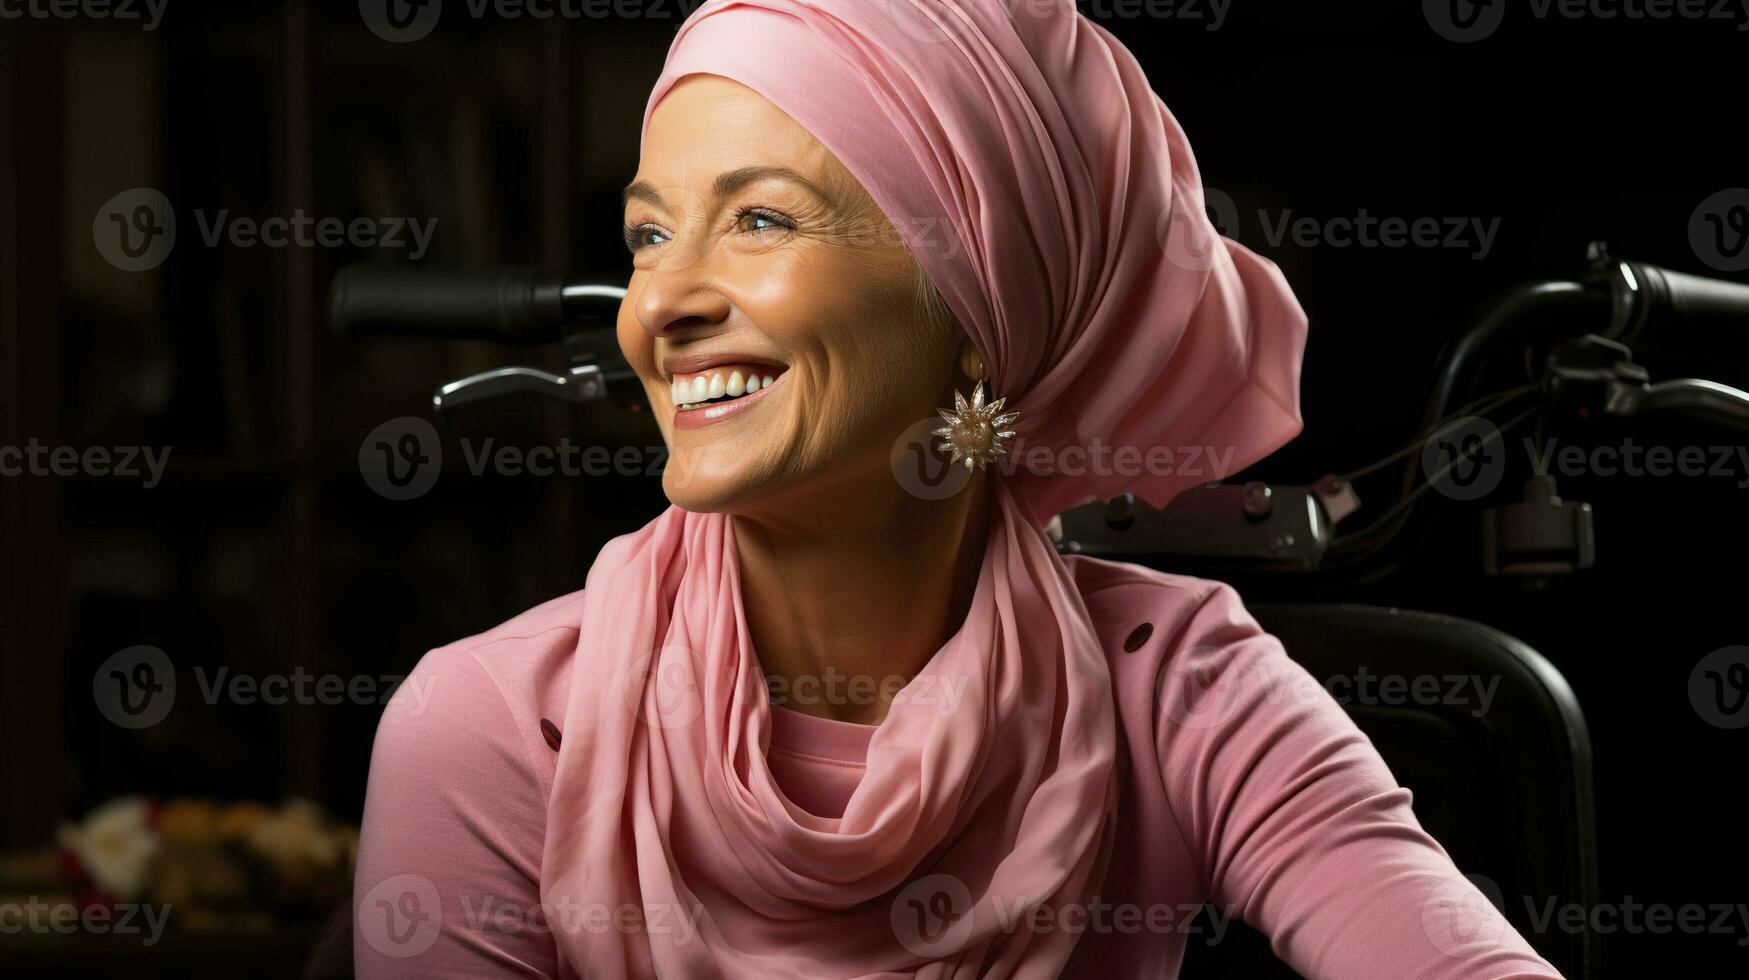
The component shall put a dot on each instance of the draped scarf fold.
(671, 850)
(1054, 201)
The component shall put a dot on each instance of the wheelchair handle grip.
(1688, 303)
(518, 306)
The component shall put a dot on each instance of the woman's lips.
(702, 415)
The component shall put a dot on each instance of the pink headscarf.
(1055, 203)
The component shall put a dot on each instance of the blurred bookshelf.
(261, 550)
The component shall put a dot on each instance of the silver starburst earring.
(974, 432)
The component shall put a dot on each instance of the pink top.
(1264, 800)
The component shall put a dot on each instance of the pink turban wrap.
(1053, 200)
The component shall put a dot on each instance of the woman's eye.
(639, 236)
(754, 220)
(763, 220)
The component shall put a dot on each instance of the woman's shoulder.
(1138, 610)
(527, 658)
(1188, 660)
(542, 626)
(455, 809)
(484, 697)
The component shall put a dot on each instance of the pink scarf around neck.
(1054, 201)
(973, 809)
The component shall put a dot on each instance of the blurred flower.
(298, 843)
(238, 820)
(188, 820)
(114, 845)
(223, 866)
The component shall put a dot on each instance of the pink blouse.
(1245, 786)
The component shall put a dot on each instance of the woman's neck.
(847, 602)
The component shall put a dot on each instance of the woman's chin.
(720, 467)
(707, 492)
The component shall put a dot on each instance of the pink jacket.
(1245, 786)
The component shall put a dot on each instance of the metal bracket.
(584, 382)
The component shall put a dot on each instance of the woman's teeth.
(710, 386)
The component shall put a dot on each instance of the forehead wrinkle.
(769, 141)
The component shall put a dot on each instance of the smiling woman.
(846, 216)
(756, 252)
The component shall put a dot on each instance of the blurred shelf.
(279, 952)
(203, 473)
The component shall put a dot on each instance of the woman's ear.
(971, 365)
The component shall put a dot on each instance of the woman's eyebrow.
(731, 181)
(728, 182)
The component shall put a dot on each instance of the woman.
(824, 718)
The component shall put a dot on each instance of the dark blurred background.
(262, 552)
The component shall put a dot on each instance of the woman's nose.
(681, 296)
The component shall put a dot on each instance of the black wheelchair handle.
(1638, 301)
(1696, 397)
(1684, 296)
(517, 306)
